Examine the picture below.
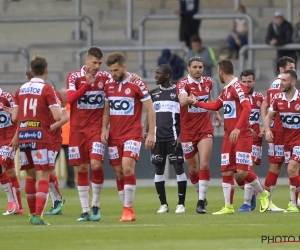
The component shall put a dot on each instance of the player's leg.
(158, 158)
(204, 148)
(176, 158)
(243, 165)
(276, 158)
(5, 182)
(190, 152)
(96, 149)
(227, 169)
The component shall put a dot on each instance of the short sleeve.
(50, 96)
(273, 106)
(143, 91)
(71, 81)
(181, 88)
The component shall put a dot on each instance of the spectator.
(175, 62)
(280, 33)
(188, 25)
(238, 37)
(207, 55)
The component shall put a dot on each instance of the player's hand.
(145, 136)
(14, 142)
(8, 110)
(90, 76)
(104, 136)
(217, 119)
(234, 135)
(192, 99)
(254, 134)
(135, 77)
(177, 143)
(269, 136)
(262, 132)
(149, 142)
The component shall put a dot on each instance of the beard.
(119, 78)
(221, 79)
(287, 88)
(251, 90)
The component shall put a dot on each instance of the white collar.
(1, 91)
(34, 79)
(191, 80)
(234, 80)
(279, 76)
(126, 80)
(294, 97)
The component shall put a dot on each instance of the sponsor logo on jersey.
(113, 153)
(256, 151)
(40, 156)
(279, 150)
(254, 116)
(132, 146)
(193, 109)
(296, 152)
(287, 156)
(74, 153)
(121, 105)
(91, 100)
(5, 120)
(243, 158)
(275, 86)
(173, 95)
(98, 148)
(30, 124)
(23, 159)
(166, 106)
(31, 90)
(28, 145)
(290, 120)
(225, 159)
(30, 135)
(187, 147)
(229, 109)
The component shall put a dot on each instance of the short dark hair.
(292, 73)
(194, 59)
(226, 66)
(283, 61)
(247, 72)
(166, 69)
(95, 51)
(116, 57)
(196, 39)
(29, 74)
(38, 65)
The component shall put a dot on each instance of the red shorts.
(84, 147)
(189, 143)
(276, 148)
(56, 146)
(236, 155)
(291, 152)
(38, 157)
(257, 152)
(117, 149)
(7, 155)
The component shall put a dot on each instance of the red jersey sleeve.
(143, 91)
(73, 94)
(210, 105)
(241, 124)
(181, 87)
(273, 107)
(50, 96)
(17, 97)
(267, 97)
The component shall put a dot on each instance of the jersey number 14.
(32, 105)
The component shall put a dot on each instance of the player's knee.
(83, 168)
(11, 172)
(159, 169)
(127, 171)
(178, 169)
(30, 173)
(204, 165)
(292, 170)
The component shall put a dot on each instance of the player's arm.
(145, 127)
(150, 139)
(105, 123)
(183, 99)
(14, 114)
(64, 118)
(267, 120)
(56, 112)
(206, 105)
(217, 117)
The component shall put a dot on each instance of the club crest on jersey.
(1, 105)
(297, 107)
(127, 91)
(207, 89)
(228, 95)
(172, 95)
(100, 85)
(258, 103)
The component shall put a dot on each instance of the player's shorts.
(189, 143)
(236, 155)
(56, 146)
(37, 156)
(163, 149)
(7, 155)
(291, 152)
(257, 152)
(276, 148)
(117, 149)
(84, 147)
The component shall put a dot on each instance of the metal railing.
(196, 16)
(49, 19)
(128, 48)
(291, 46)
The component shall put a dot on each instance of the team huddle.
(106, 109)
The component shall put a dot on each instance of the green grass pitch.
(151, 230)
